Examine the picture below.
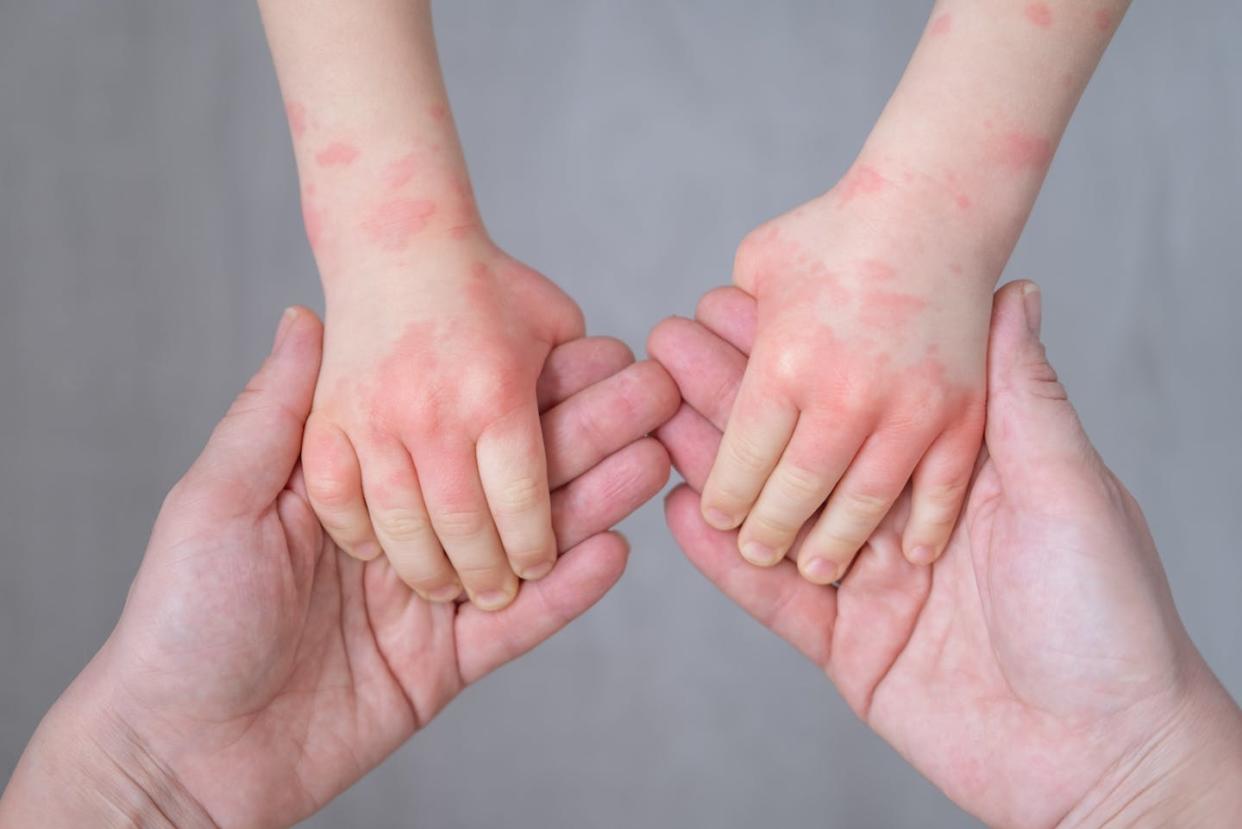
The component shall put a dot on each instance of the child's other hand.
(867, 373)
(425, 441)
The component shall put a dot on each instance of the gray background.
(149, 238)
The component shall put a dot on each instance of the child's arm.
(425, 438)
(874, 299)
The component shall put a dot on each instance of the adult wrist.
(85, 766)
(1187, 773)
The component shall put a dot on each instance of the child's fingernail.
(491, 599)
(760, 554)
(1031, 302)
(445, 594)
(282, 328)
(718, 518)
(537, 571)
(922, 554)
(820, 571)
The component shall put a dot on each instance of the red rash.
(398, 173)
(337, 154)
(942, 25)
(392, 224)
(1020, 151)
(861, 180)
(877, 269)
(889, 308)
(1103, 20)
(296, 113)
(1039, 14)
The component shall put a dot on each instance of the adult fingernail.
(760, 554)
(537, 571)
(367, 551)
(719, 519)
(820, 571)
(282, 328)
(922, 555)
(491, 599)
(1032, 303)
(445, 594)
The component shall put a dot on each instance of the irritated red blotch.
(1103, 20)
(337, 154)
(942, 25)
(1039, 14)
(296, 113)
(877, 269)
(889, 309)
(399, 173)
(861, 180)
(438, 112)
(393, 223)
(1020, 151)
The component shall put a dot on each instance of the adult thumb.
(1033, 434)
(253, 450)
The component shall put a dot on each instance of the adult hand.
(1037, 672)
(257, 670)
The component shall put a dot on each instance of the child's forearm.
(378, 157)
(971, 129)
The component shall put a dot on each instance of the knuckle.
(461, 523)
(745, 455)
(330, 489)
(404, 526)
(519, 495)
(801, 484)
(863, 505)
(766, 524)
(479, 574)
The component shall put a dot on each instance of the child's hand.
(867, 371)
(425, 439)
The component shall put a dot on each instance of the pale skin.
(873, 299)
(1037, 672)
(424, 442)
(257, 670)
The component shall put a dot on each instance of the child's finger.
(858, 504)
(402, 525)
(514, 473)
(578, 364)
(334, 488)
(814, 461)
(449, 475)
(759, 427)
(939, 489)
(601, 419)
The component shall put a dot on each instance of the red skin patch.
(889, 309)
(1020, 151)
(1103, 21)
(438, 112)
(1039, 14)
(337, 154)
(942, 25)
(296, 113)
(393, 223)
(861, 180)
(877, 269)
(399, 173)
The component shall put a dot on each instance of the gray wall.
(149, 237)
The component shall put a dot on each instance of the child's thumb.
(1033, 433)
(252, 452)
